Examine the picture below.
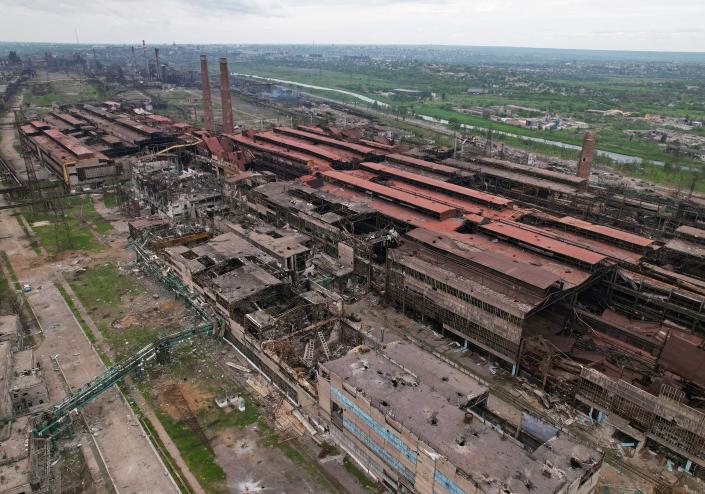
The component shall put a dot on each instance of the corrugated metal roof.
(423, 164)
(582, 256)
(496, 264)
(473, 195)
(690, 231)
(299, 145)
(606, 231)
(70, 143)
(349, 146)
(434, 208)
(294, 156)
(532, 170)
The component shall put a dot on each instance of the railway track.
(7, 170)
(613, 458)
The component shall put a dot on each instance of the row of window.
(465, 297)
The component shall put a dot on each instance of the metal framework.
(53, 420)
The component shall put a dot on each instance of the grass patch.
(364, 481)
(198, 456)
(103, 228)
(64, 92)
(124, 342)
(100, 289)
(104, 357)
(72, 231)
(72, 306)
(237, 418)
(103, 285)
(110, 199)
(6, 293)
(32, 240)
(11, 272)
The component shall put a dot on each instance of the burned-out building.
(67, 157)
(28, 391)
(529, 268)
(166, 189)
(408, 418)
(282, 321)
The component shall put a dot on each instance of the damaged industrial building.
(365, 279)
(595, 300)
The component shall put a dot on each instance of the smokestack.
(134, 58)
(207, 105)
(225, 97)
(159, 70)
(146, 65)
(585, 163)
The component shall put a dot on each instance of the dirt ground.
(251, 467)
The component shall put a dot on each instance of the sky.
(654, 25)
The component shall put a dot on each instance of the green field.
(69, 226)
(569, 97)
(62, 92)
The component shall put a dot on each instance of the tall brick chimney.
(225, 98)
(159, 69)
(585, 161)
(147, 74)
(207, 105)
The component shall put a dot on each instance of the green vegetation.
(364, 481)
(101, 290)
(32, 240)
(10, 270)
(70, 229)
(6, 293)
(237, 418)
(104, 285)
(64, 91)
(563, 90)
(198, 456)
(110, 199)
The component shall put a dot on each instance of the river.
(617, 157)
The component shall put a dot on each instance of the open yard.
(61, 90)
(71, 224)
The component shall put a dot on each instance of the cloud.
(603, 24)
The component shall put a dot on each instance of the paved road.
(129, 456)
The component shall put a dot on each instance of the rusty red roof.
(318, 138)
(503, 265)
(294, 156)
(423, 164)
(69, 119)
(299, 145)
(29, 129)
(472, 195)
(691, 232)
(136, 126)
(70, 143)
(531, 170)
(437, 209)
(214, 146)
(582, 256)
(159, 118)
(40, 124)
(606, 231)
(378, 145)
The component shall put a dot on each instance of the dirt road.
(128, 455)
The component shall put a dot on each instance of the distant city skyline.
(648, 25)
